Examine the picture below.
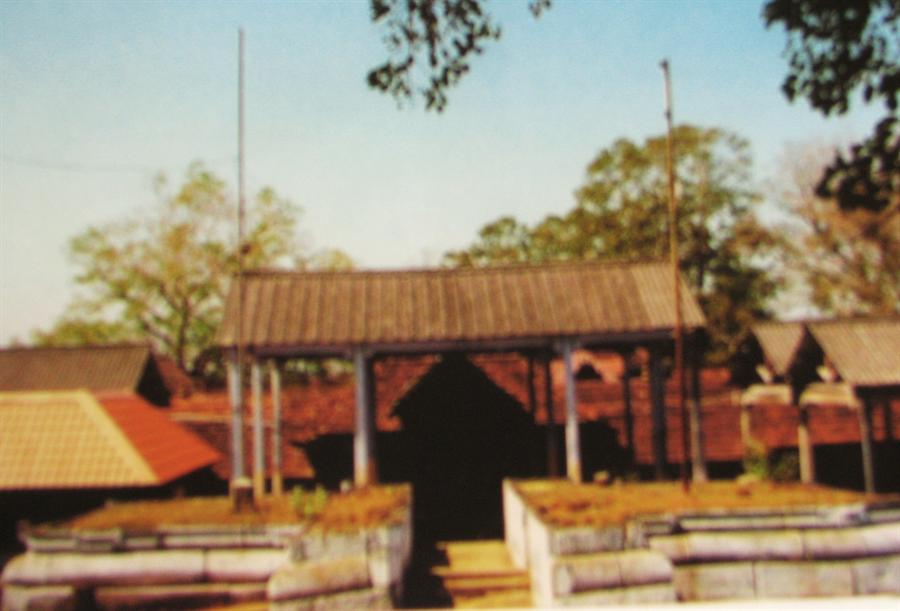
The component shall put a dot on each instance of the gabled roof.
(96, 368)
(779, 342)
(864, 351)
(498, 307)
(74, 439)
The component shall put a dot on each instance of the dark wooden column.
(698, 462)
(658, 411)
(628, 409)
(865, 440)
(552, 461)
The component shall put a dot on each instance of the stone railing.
(779, 553)
(198, 566)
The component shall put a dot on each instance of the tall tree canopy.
(162, 277)
(835, 50)
(621, 212)
(849, 260)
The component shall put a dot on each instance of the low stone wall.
(837, 551)
(294, 567)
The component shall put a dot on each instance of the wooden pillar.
(698, 462)
(804, 447)
(865, 439)
(552, 461)
(532, 393)
(259, 441)
(745, 422)
(275, 389)
(363, 446)
(573, 444)
(628, 411)
(658, 413)
(236, 398)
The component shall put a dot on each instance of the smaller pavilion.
(540, 311)
(850, 362)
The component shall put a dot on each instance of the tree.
(849, 260)
(835, 49)
(621, 213)
(440, 37)
(162, 276)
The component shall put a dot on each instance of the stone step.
(480, 574)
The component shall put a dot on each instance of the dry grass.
(566, 504)
(343, 511)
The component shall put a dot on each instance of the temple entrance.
(461, 436)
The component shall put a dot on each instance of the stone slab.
(39, 598)
(352, 600)
(243, 565)
(316, 577)
(802, 579)
(177, 596)
(877, 575)
(717, 581)
(701, 547)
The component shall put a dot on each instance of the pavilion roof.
(864, 351)
(440, 309)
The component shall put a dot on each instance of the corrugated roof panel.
(339, 309)
(864, 351)
(779, 342)
(99, 368)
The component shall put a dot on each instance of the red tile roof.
(331, 311)
(73, 439)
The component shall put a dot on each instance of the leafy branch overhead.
(431, 44)
(835, 49)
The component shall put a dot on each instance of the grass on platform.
(362, 507)
(566, 504)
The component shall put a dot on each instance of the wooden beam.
(363, 446)
(236, 398)
(259, 441)
(573, 443)
(275, 389)
(628, 410)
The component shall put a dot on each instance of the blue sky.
(97, 97)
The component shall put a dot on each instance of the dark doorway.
(461, 436)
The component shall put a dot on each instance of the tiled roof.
(779, 342)
(95, 368)
(335, 310)
(864, 351)
(74, 439)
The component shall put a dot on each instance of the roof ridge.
(503, 267)
(98, 347)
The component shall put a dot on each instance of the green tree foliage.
(162, 277)
(849, 260)
(432, 40)
(835, 49)
(621, 213)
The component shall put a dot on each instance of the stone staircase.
(480, 574)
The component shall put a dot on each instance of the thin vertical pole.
(804, 446)
(259, 441)
(573, 445)
(236, 369)
(275, 389)
(673, 255)
(698, 462)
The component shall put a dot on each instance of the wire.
(63, 166)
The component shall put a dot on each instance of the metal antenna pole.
(676, 283)
(237, 403)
